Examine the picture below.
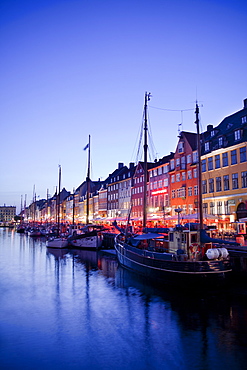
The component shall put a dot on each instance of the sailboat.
(176, 255)
(90, 236)
(59, 241)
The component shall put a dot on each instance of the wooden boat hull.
(168, 268)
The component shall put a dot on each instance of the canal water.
(63, 309)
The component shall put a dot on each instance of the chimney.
(245, 103)
(120, 165)
(131, 165)
(210, 128)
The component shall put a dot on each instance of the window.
(210, 163)
(195, 157)
(242, 152)
(207, 146)
(211, 208)
(217, 161)
(183, 176)
(244, 179)
(205, 208)
(219, 208)
(235, 180)
(165, 182)
(204, 169)
(181, 147)
(183, 163)
(173, 194)
(189, 175)
(226, 182)
(204, 186)
(173, 178)
(160, 171)
(237, 134)
(212, 133)
(218, 183)
(189, 158)
(189, 191)
(225, 159)
(177, 177)
(234, 156)
(227, 209)
(244, 119)
(220, 141)
(211, 185)
(177, 162)
(195, 173)
(172, 164)
(196, 190)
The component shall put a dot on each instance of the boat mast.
(88, 182)
(145, 147)
(73, 208)
(199, 168)
(59, 189)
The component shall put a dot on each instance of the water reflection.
(78, 309)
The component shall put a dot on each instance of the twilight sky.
(70, 68)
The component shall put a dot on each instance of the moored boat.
(58, 241)
(177, 255)
(90, 237)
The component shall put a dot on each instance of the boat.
(60, 240)
(90, 236)
(178, 255)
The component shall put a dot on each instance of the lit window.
(237, 135)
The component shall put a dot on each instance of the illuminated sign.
(157, 192)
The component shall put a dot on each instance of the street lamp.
(178, 210)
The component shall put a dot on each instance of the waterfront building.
(124, 191)
(7, 213)
(159, 189)
(224, 169)
(138, 189)
(102, 202)
(184, 177)
(81, 200)
(113, 191)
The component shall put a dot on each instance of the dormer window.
(220, 141)
(228, 126)
(212, 133)
(181, 147)
(244, 119)
(207, 146)
(237, 134)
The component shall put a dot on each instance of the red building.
(184, 177)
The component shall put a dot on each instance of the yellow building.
(224, 170)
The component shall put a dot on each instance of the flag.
(87, 146)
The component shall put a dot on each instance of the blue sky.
(73, 68)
